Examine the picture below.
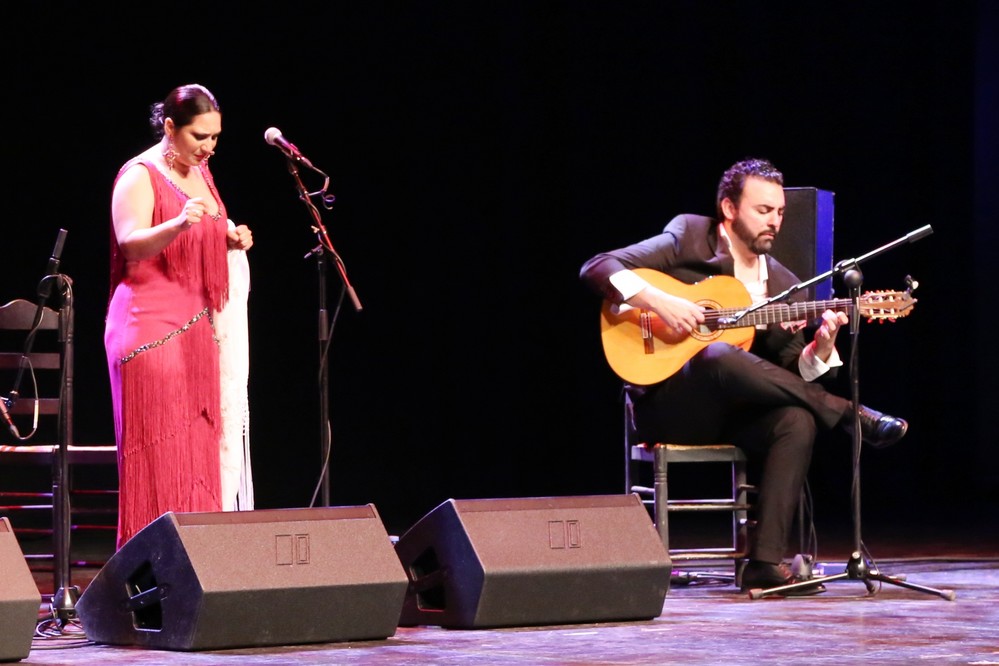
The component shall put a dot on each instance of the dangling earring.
(170, 155)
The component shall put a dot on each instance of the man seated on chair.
(770, 401)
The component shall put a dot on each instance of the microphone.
(45, 286)
(6, 417)
(274, 137)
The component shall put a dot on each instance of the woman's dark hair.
(732, 181)
(182, 104)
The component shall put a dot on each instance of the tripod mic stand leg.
(858, 568)
(949, 595)
(791, 588)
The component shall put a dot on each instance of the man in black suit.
(770, 401)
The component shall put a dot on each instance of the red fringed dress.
(163, 360)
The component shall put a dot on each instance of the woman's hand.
(240, 238)
(194, 210)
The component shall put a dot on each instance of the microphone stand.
(320, 252)
(63, 603)
(858, 567)
(66, 595)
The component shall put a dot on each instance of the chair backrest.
(35, 362)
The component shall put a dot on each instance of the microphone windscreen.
(271, 135)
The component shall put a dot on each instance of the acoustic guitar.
(642, 350)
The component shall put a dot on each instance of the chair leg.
(661, 493)
(629, 441)
(740, 518)
(627, 461)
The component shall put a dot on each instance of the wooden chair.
(38, 458)
(735, 503)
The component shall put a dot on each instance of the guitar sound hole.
(704, 331)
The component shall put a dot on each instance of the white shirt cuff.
(811, 367)
(628, 283)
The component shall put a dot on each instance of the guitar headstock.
(888, 305)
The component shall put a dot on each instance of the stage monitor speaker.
(206, 581)
(20, 600)
(805, 241)
(534, 561)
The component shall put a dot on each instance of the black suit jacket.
(690, 250)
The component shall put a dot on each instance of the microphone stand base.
(856, 569)
(63, 604)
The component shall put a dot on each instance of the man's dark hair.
(732, 181)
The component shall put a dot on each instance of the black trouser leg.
(725, 394)
(709, 395)
(783, 439)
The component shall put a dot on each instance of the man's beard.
(758, 244)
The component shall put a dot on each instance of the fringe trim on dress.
(183, 406)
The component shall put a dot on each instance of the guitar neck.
(772, 314)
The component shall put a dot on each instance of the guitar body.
(641, 350)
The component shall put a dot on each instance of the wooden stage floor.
(701, 623)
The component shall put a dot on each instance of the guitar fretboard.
(772, 314)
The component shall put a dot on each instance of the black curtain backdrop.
(479, 153)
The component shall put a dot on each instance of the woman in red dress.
(169, 278)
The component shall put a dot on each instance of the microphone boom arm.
(840, 268)
(320, 228)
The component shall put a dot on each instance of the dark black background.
(479, 153)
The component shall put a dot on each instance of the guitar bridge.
(645, 320)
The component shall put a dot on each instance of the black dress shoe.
(764, 575)
(877, 429)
